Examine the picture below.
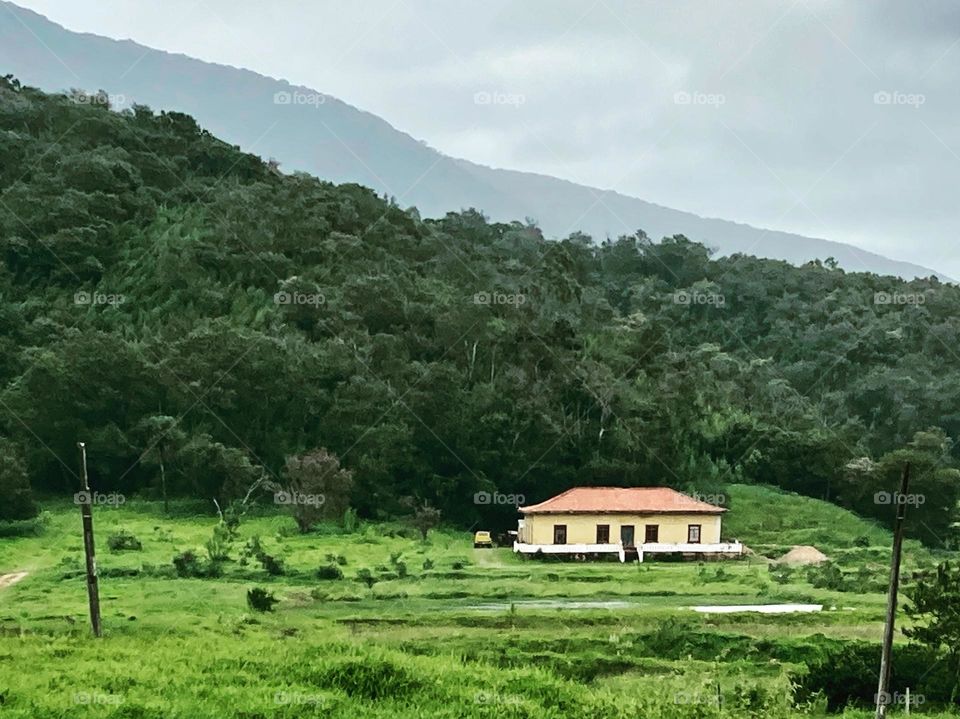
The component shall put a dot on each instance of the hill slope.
(333, 140)
(166, 296)
(767, 515)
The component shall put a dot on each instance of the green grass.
(770, 516)
(770, 521)
(460, 639)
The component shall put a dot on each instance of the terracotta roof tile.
(639, 500)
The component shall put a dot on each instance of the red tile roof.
(634, 500)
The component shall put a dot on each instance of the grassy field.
(438, 630)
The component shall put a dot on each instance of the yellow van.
(482, 540)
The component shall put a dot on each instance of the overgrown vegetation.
(123, 541)
(261, 600)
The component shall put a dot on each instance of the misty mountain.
(306, 130)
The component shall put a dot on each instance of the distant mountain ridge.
(317, 133)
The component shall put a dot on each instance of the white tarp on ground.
(762, 608)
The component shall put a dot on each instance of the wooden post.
(85, 500)
(885, 663)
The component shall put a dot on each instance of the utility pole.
(883, 687)
(86, 501)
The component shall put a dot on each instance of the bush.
(253, 548)
(350, 522)
(260, 600)
(828, 576)
(187, 565)
(25, 527)
(427, 564)
(337, 559)
(871, 580)
(330, 572)
(123, 541)
(367, 577)
(218, 546)
(273, 566)
(718, 575)
(781, 573)
(399, 566)
(674, 637)
(847, 675)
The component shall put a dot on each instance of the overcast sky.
(835, 120)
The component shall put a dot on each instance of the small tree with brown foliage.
(316, 487)
(424, 518)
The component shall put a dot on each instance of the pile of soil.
(803, 555)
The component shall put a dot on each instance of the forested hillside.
(169, 299)
(321, 134)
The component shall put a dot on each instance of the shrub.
(260, 600)
(847, 675)
(123, 541)
(273, 566)
(253, 548)
(218, 546)
(367, 577)
(869, 580)
(781, 573)
(719, 575)
(400, 567)
(674, 637)
(187, 564)
(350, 520)
(427, 564)
(25, 527)
(828, 576)
(337, 559)
(330, 572)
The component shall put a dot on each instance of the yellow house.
(627, 521)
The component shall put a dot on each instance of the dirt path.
(487, 558)
(8, 580)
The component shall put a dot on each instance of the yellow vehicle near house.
(482, 540)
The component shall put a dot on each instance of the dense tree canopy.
(179, 304)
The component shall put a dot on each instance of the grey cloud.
(798, 82)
